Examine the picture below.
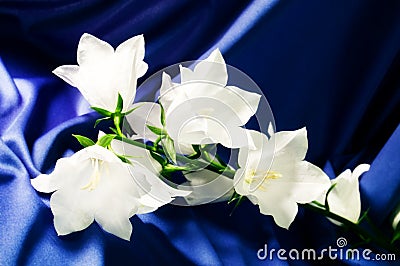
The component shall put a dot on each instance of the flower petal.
(360, 169)
(68, 73)
(92, 50)
(158, 194)
(160, 190)
(147, 113)
(211, 69)
(166, 91)
(103, 73)
(344, 198)
(186, 74)
(129, 70)
(55, 180)
(201, 110)
(188, 129)
(72, 210)
(71, 205)
(96, 72)
(45, 183)
(230, 105)
(292, 144)
(94, 184)
(274, 176)
(258, 154)
(303, 183)
(95, 152)
(238, 137)
(244, 102)
(271, 130)
(136, 45)
(283, 210)
(114, 216)
(117, 198)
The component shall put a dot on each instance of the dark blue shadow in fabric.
(332, 66)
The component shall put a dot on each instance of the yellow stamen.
(252, 176)
(273, 175)
(95, 177)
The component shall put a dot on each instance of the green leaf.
(84, 141)
(169, 148)
(123, 158)
(196, 153)
(196, 148)
(238, 202)
(161, 160)
(363, 216)
(113, 130)
(120, 104)
(106, 140)
(170, 168)
(234, 197)
(156, 130)
(102, 111)
(396, 236)
(99, 120)
(326, 197)
(133, 109)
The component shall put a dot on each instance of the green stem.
(213, 162)
(315, 206)
(173, 168)
(181, 158)
(220, 160)
(356, 228)
(216, 166)
(134, 143)
(117, 123)
(157, 142)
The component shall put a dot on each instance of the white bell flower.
(95, 185)
(276, 177)
(344, 199)
(103, 72)
(160, 192)
(201, 109)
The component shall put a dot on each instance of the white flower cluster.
(119, 176)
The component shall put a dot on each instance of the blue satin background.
(332, 66)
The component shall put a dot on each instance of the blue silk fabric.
(332, 66)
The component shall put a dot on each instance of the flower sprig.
(124, 172)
